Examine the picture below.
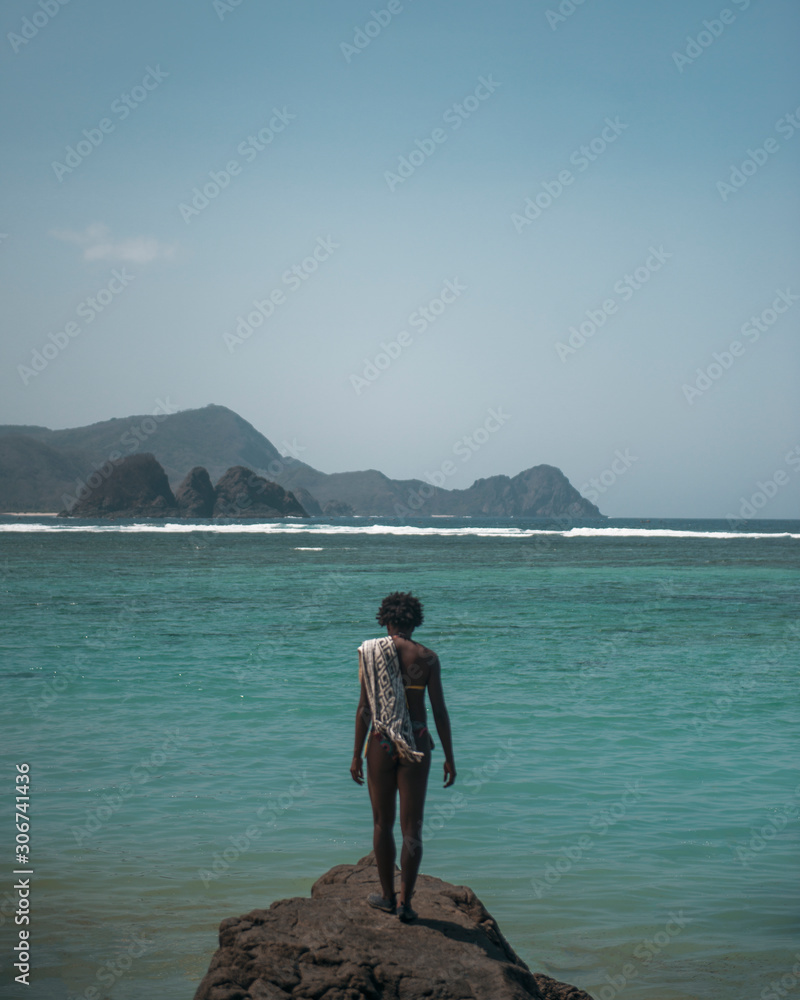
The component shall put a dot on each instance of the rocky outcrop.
(543, 491)
(367, 493)
(195, 496)
(35, 476)
(334, 946)
(241, 493)
(43, 470)
(338, 508)
(308, 502)
(135, 487)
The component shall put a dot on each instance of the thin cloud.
(97, 244)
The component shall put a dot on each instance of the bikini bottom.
(420, 732)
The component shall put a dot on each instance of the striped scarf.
(379, 667)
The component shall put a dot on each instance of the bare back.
(420, 671)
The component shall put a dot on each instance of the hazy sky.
(475, 179)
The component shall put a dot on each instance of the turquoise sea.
(623, 696)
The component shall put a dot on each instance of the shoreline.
(29, 513)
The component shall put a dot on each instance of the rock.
(338, 508)
(307, 501)
(41, 469)
(241, 493)
(334, 946)
(543, 491)
(546, 492)
(195, 496)
(136, 486)
(34, 476)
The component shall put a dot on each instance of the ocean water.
(624, 707)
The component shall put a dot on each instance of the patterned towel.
(379, 666)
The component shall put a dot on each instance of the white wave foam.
(671, 533)
(283, 528)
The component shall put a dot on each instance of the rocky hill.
(137, 486)
(41, 469)
(333, 946)
(542, 491)
(34, 475)
(213, 437)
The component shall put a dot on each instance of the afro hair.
(403, 611)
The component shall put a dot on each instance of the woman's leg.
(412, 782)
(382, 784)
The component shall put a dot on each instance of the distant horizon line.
(461, 517)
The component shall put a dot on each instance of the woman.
(395, 671)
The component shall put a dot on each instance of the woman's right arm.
(363, 719)
(442, 719)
